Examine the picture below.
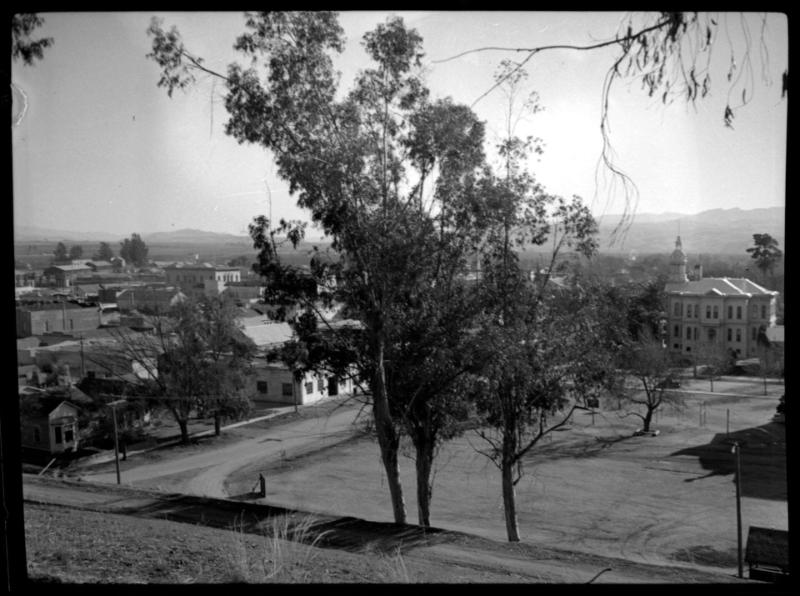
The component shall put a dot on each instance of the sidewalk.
(171, 439)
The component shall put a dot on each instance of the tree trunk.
(510, 501)
(424, 466)
(184, 425)
(217, 424)
(648, 417)
(388, 440)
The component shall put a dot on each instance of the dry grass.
(286, 552)
(76, 546)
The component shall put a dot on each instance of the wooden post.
(736, 450)
(262, 483)
(116, 441)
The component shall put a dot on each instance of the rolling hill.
(717, 231)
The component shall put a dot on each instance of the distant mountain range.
(718, 231)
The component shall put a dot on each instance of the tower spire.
(677, 264)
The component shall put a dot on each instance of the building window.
(320, 384)
(261, 386)
(68, 436)
(58, 435)
(688, 348)
(309, 388)
(676, 346)
(688, 333)
(695, 333)
(286, 389)
(763, 311)
(46, 326)
(716, 312)
(730, 334)
(677, 331)
(738, 335)
(730, 312)
(688, 311)
(753, 333)
(712, 334)
(738, 312)
(708, 311)
(71, 324)
(754, 311)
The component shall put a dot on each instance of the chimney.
(698, 272)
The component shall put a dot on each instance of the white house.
(273, 383)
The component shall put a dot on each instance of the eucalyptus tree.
(387, 173)
(547, 351)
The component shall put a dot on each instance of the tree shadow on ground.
(763, 457)
(345, 533)
(584, 447)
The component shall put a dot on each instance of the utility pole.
(737, 450)
(83, 364)
(113, 405)
(295, 381)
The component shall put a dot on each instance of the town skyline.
(99, 147)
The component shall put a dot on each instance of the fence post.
(262, 483)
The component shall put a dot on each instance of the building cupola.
(677, 264)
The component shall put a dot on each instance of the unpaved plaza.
(594, 488)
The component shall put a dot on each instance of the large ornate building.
(715, 311)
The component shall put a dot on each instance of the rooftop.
(77, 267)
(721, 286)
(268, 334)
(200, 266)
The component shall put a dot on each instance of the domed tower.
(677, 264)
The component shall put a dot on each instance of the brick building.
(716, 311)
(33, 319)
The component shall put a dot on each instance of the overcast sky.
(101, 148)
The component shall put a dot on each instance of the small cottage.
(55, 431)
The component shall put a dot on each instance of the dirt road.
(204, 472)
